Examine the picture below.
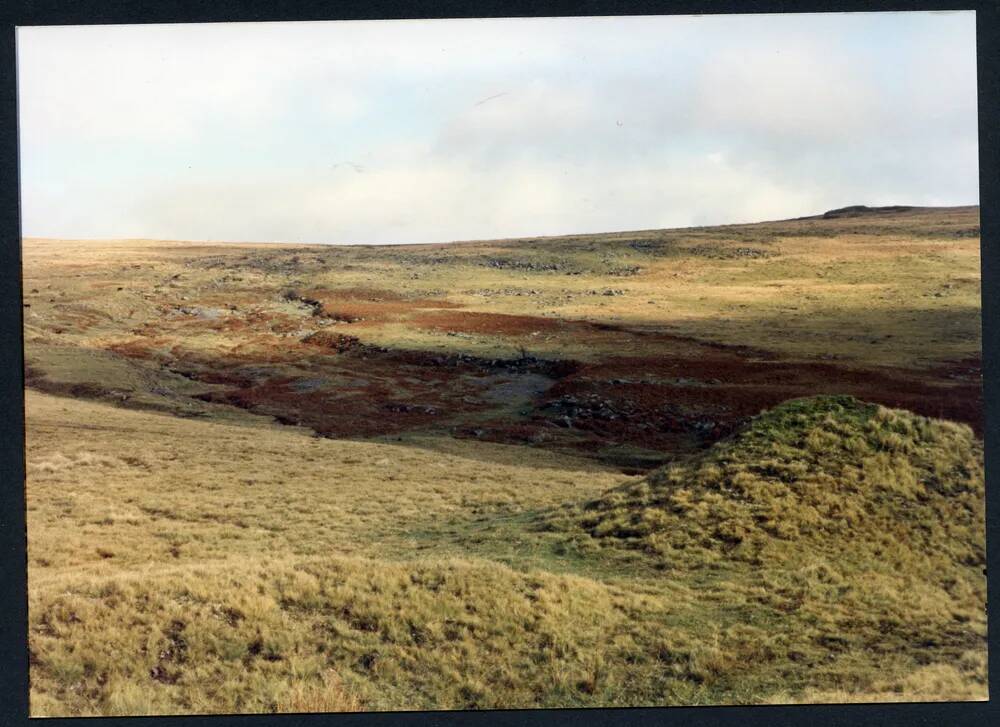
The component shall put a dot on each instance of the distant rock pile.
(860, 210)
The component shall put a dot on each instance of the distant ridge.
(861, 210)
(852, 211)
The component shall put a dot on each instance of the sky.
(439, 130)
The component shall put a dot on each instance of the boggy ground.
(391, 413)
(627, 346)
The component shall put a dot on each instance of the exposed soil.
(490, 323)
(339, 386)
(269, 330)
(356, 305)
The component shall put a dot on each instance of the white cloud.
(420, 198)
(397, 131)
(804, 90)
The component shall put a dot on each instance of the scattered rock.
(625, 271)
(402, 408)
(516, 264)
(337, 341)
(724, 252)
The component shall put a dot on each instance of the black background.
(13, 561)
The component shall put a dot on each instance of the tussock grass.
(428, 634)
(962, 681)
(833, 474)
(858, 527)
(211, 561)
(161, 582)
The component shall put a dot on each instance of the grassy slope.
(899, 290)
(864, 525)
(170, 573)
(141, 520)
(212, 561)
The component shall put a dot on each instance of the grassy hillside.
(193, 574)
(578, 471)
(856, 481)
(864, 527)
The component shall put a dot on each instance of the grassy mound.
(187, 587)
(855, 529)
(831, 475)
(342, 634)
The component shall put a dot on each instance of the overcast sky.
(423, 131)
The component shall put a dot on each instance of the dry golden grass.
(167, 581)
(143, 485)
(964, 681)
(901, 290)
(864, 527)
(826, 474)
(327, 696)
(187, 556)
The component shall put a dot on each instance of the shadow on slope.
(851, 480)
(853, 528)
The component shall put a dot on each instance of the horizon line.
(904, 208)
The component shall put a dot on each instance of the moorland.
(716, 465)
